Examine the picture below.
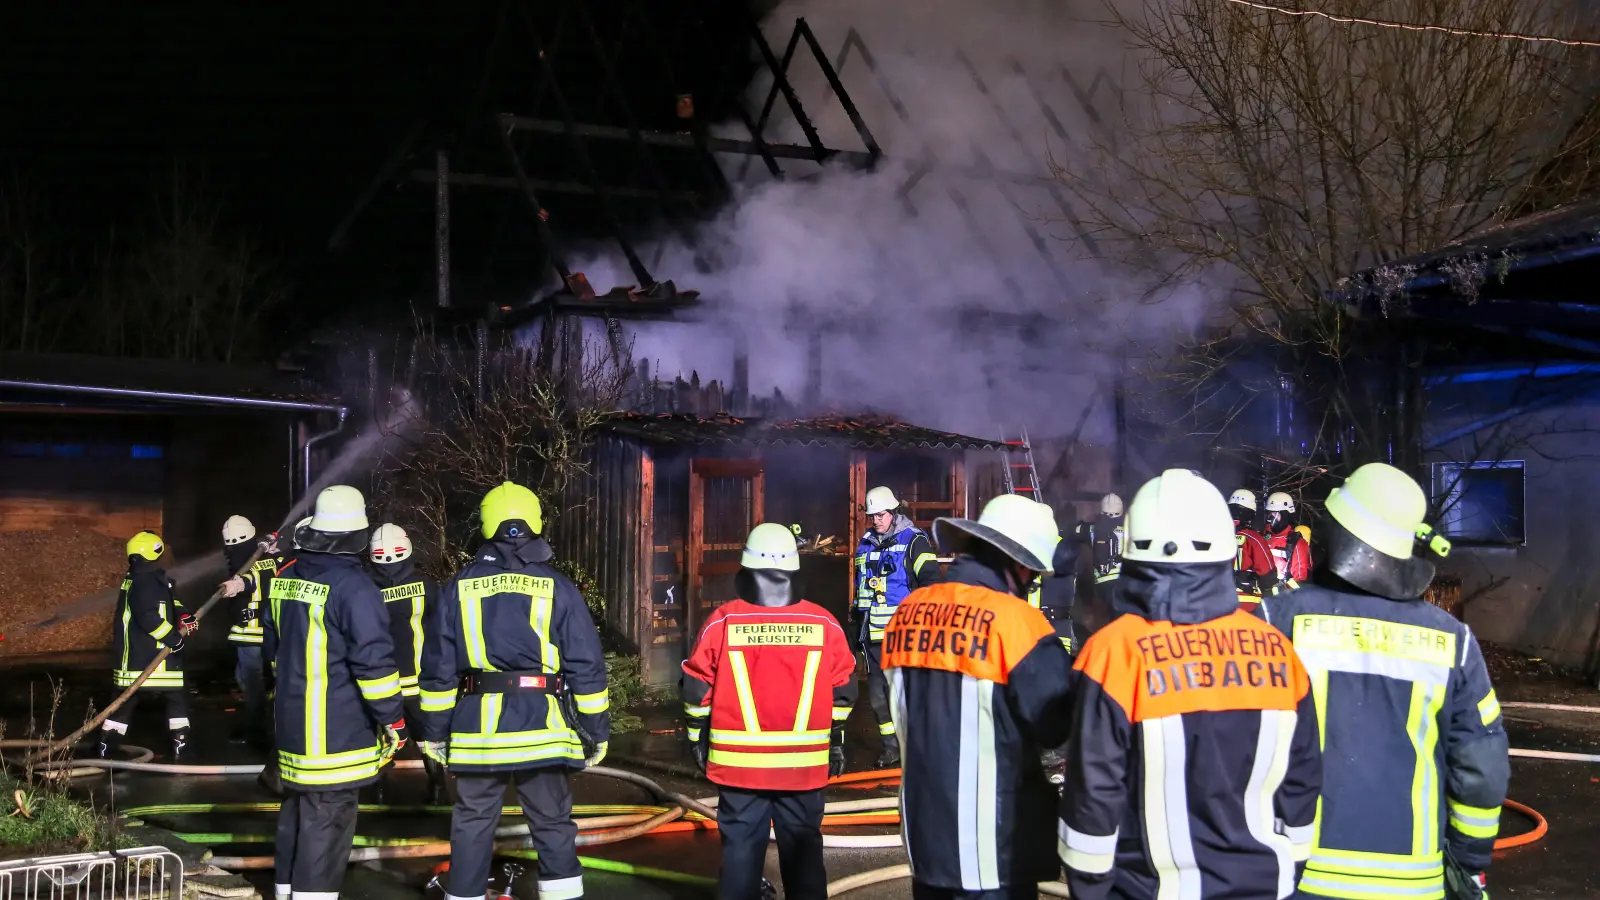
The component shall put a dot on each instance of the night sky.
(290, 109)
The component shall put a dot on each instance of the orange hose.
(1540, 827)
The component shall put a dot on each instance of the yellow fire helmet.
(510, 501)
(146, 546)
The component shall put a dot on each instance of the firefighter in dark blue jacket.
(407, 594)
(894, 558)
(149, 618)
(338, 710)
(513, 688)
(1415, 755)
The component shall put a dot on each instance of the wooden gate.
(726, 500)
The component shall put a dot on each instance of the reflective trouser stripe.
(561, 888)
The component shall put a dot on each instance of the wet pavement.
(1559, 866)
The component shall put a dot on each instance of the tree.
(467, 428)
(1277, 155)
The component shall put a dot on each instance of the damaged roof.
(860, 432)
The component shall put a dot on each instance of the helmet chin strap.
(765, 587)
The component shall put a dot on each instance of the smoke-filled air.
(950, 281)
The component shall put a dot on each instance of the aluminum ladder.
(1028, 485)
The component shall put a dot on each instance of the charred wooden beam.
(500, 182)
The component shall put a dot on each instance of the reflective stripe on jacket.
(328, 636)
(146, 621)
(772, 682)
(258, 584)
(1416, 751)
(510, 611)
(978, 684)
(407, 603)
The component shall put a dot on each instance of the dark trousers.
(546, 803)
(920, 891)
(175, 699)
(315, 832)
(248, 672)
(745, 819)
(878, 692)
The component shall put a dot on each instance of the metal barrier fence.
(145, 873)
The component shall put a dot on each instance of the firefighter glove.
(177, 643)
(1460, 884)
(188, 624)
(598, 754)
(836, 752)
(698, 743)
(438, 751)
(393, 738)
(233, 587)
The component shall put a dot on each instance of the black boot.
(435, 781)
(180, 743)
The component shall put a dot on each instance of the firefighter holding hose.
(149, 618)
(1417, 756)
(893, 559)
(339, 715)
(766, 694)
(513, 689)
(251, 590)
(407, 594)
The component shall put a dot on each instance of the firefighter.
(1194, 764)
(1417, 753)
(766, 694)
(250, 587)
(149, 618)
(1289, 541)
(339, 715)
(1053, 594)
(980, 683)
(1104, 537)
(407, 595)
(514, 638)
(1254, 571)
(893, 559)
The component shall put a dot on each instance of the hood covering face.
(236, 554)
(391, 574)
(770, 588)
(1183, 594)
(311, 563)
(138, 565)
(974, 571)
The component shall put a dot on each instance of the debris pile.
(43, 572)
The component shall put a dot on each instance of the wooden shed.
(662, 517)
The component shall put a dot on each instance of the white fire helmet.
(340, 509)
(390, 544)
(881, 499)
(1243, 498)
(237, 530)
(771, 546)
(1178, 517)
(1111, 505)
(1278, 501)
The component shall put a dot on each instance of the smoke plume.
(951, 285)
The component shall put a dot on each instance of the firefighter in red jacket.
(766, 695)
(1289, 541)
(1254, 571)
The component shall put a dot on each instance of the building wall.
(1542, 597)
(601, 529)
